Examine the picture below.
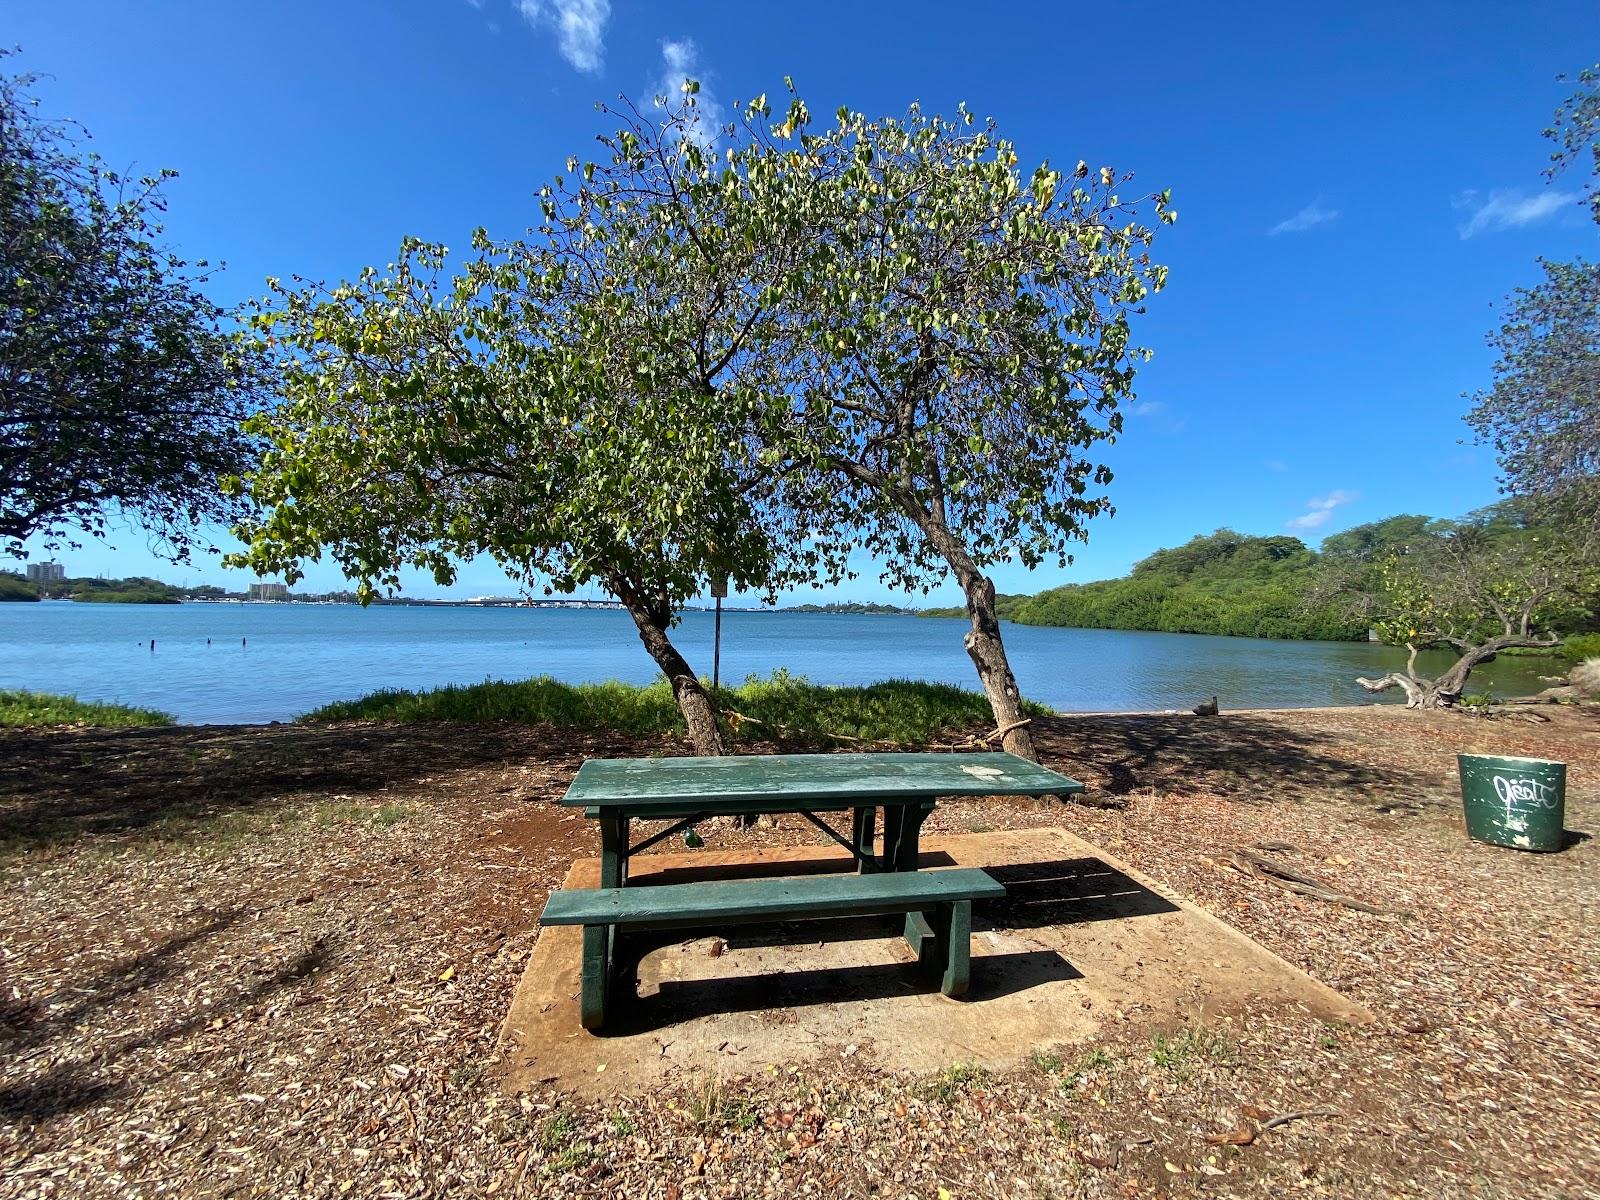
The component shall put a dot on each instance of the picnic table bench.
(683, 791)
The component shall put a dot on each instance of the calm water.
(295, 657)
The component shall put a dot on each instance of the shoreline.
(1153, 714)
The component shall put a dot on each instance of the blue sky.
(1358, 187)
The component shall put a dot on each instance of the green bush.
(15, 587)
(782, 705)
(40, 710)
(1223, 583)
(1581, 646)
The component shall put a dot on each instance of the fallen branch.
(1285, 1118)
(1279, 847)
(1259, 866)
(736, 719)
(1115, 1161)
(1521, 714)
(1253, 863)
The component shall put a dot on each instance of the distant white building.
(269, 591)
(46, 572)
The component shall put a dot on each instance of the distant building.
(46, 572)
(269, 591)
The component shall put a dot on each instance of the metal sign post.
(719, 589)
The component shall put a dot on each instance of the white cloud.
(1507, 208)
(1308, 217)
(680, 60)
(1157, 416)
(1320, 509)
(1277, 465)
(579, 25)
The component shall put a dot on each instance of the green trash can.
(1520, 802)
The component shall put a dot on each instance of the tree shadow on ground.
(1243, 756)
(62, 785)
(79, 1072)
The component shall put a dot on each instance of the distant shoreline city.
(48, 581)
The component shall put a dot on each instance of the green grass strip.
(895, 710)
(39, 710)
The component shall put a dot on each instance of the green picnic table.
(618, 791)
(685, 791)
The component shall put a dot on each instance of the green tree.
(1375, 541)
(15, 587)
(579, 404)
(1576, 133)
(1498, 580)
(1542, 414)
(955, 345)
(1219, 583)
(119, 391)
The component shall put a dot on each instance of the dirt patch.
(274, 961)
(1078, 937)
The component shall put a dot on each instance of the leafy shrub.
(1581, 646)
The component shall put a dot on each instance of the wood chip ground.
(272, 962)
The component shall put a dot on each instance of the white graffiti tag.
(1524, 793)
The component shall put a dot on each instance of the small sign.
(719, 587)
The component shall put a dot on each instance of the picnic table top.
(639, 783)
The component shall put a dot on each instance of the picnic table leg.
(955, 936)
(922, 936)
(893, 815)
(613, 850)
(907, 849)
(904, 856)
(866, 820)
(600, 941)
(596, 975)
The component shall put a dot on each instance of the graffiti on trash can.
(1525, 793)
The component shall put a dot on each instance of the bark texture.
(699, 714)
(988, 653)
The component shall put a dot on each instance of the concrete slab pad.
(1081, 937)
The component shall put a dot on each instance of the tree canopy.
(1576, 133)
(748, 362)
(1219, 583)
(954, 342)
(580, 404)
(120, 392)
(1542, 414)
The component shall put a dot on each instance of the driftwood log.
(1259, 866)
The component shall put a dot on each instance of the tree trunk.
(693, 702)
(983, 641)
(988, 652)
(1444, 691)
(1420, 693)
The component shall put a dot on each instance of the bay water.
(229, 662)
